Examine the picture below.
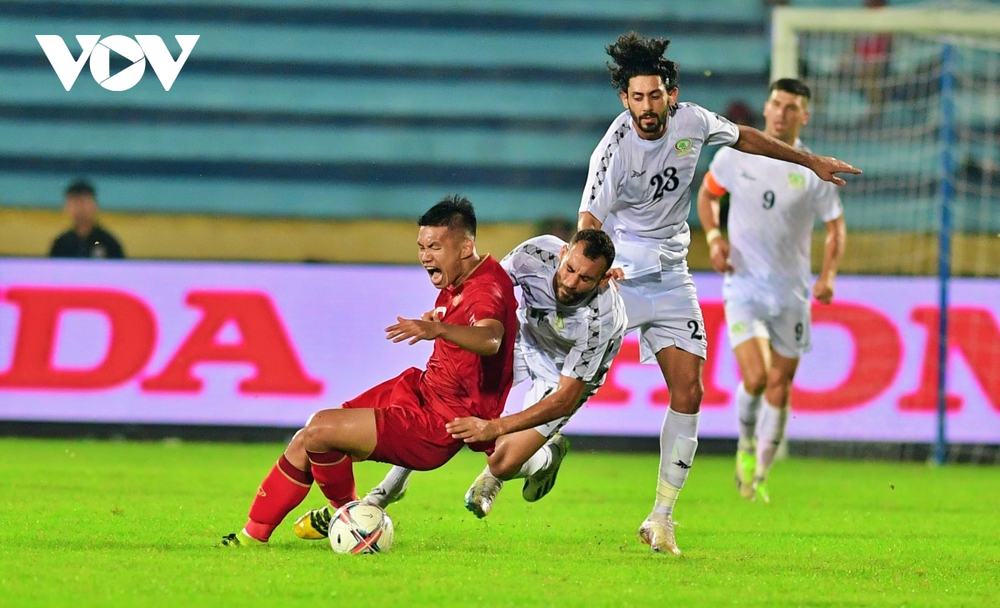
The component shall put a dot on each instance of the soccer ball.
(359, 527)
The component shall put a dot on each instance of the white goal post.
(912, 97)
(787, 22)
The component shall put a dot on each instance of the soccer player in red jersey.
(402, 421)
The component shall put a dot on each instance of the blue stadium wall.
(348, 109)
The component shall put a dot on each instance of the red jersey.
(467, 383)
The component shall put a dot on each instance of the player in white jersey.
(772, 208)
(638, 190)
(571, 327)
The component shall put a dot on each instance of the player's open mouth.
(434, 272)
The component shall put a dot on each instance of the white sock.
(538, 461)
(772, 430)
(747, 407)
(395, 480)
(678, 443)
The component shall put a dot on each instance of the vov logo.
(98, 50)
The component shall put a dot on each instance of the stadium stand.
(344, 109)
(302, 115)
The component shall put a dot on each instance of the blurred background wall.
(305, 130)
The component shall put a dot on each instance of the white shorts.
(533, 365)
(785, 326)
(664, 308)
(542, 388)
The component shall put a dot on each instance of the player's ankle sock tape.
(259, 531)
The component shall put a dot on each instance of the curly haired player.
(639, 191)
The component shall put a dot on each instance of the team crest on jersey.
(684, 147)
(456, 300)
(739, 327)
(796, 181)
(559, 323)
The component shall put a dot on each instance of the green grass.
(85, 523)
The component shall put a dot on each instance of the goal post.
(787, 23)
(911, 96)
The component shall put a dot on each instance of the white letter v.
(160, 59)
(67, 68)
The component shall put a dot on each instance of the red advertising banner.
(268, 344)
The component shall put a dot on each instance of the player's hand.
(823, 290)
(718, 251)
(826, 167)
(412, 330)
(472, 429)
(617, 274)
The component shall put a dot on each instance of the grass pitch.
(86, 523)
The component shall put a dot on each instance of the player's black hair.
(791, 85)
(634, 55)
(81, 186)
(597, 244)
(454, 211)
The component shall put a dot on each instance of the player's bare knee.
(295, 452)
(502, 464)
(755, 382)
(504, 469)
(687, 399)
(777, 394)
(314, 434)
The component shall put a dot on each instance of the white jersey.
(556, 340)
(773, 206)
(645, 186)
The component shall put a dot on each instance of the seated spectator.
(86, 239)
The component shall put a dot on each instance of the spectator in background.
(739, 112)
(86, 239)
(869, 63)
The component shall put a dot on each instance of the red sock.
(334, 476)
(280, 492)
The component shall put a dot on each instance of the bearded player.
(639, 191)
(571, 326)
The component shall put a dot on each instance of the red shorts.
(410, 433)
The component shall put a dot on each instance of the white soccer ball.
(359, 527)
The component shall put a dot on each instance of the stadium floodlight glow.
(909, 95)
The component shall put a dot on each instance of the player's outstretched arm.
(482, 338)
(561, 402)
(753, 141)
(836, 239)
